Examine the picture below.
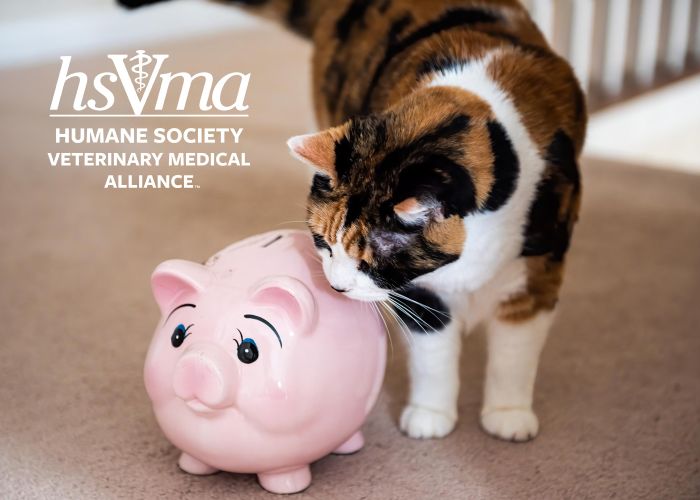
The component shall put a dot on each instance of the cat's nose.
(341, 277)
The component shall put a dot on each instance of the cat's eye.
(248, 351)
(179, 334)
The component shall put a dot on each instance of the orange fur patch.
(544, 278)
(447, 235)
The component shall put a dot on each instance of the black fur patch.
(333, 82)
(380, 134)
(320, 242)
(529, 48)
(352, 16)
(452, 18)
(458, 124)
(561, 154)
(336, 76)
(439, 64)
(419, 319)
(542, 220)
(296, 14)
(132, 4)
(505, 167)
(344, 158)
(320, 186)
(401, 266)
(249, 3)
(546, 233)
(362, 129)
(580, 109)
(392, 39)
(384, 6)
(439, 178)
(361, 245)
(355, 204)
(335, 70)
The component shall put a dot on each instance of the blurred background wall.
(635, 58)
(630, 56)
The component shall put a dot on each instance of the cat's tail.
(300, 16)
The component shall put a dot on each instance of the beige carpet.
(619, 388)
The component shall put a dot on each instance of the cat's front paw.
(516, 424)
(422, 423)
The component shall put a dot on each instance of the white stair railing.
(622, 47)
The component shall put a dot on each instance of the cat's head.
(392, 189)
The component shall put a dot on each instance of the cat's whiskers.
(413, 314)
(375, 306)
(402, 308)
(291, 222)
(400, 323)
(392, 315)
(408, 312)
(399, 295)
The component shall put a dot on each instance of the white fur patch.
(434, 370)
(514, 353)
(343, 274)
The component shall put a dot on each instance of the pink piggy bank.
(257, 365)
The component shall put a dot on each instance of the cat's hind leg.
(513, 354)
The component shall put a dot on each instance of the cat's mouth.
(367, 295)
(343, 276)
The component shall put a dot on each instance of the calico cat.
(447, 183)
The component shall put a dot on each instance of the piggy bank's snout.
(205, 374)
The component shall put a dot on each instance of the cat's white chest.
(472, 303)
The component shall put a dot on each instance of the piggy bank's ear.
(291, 296)
(174, 278)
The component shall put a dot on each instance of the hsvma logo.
(139, 75)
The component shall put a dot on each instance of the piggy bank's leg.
(352, 445)
(190, 464)
(292, 480)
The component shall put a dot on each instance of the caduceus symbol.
(142, 60)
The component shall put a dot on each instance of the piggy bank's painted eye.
(247, 351)
(179, 334)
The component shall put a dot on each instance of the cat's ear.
(434, 192)
(413, 211)
(317, 150)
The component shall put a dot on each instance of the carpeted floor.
(619, 389)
